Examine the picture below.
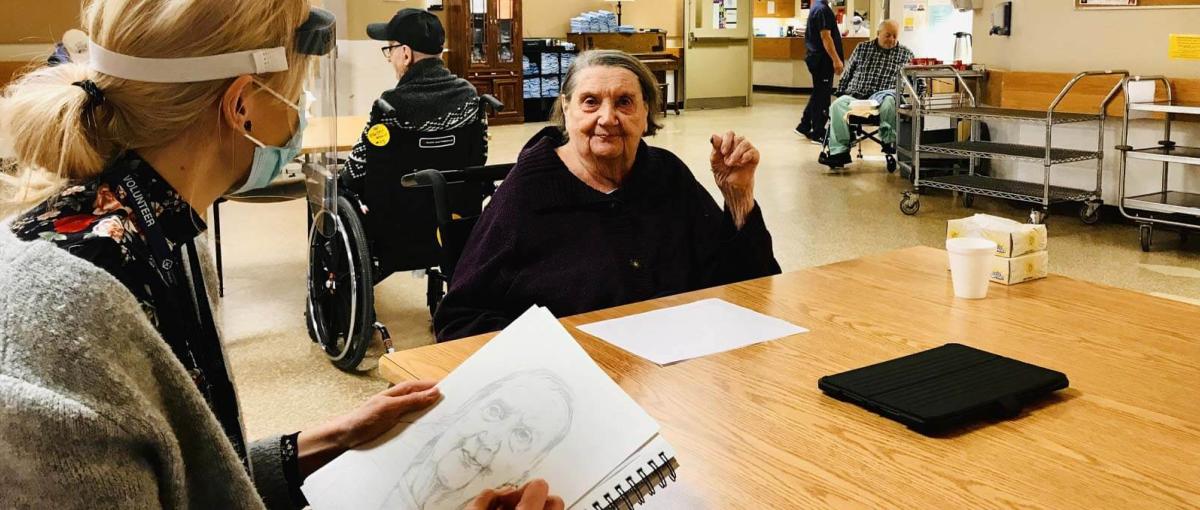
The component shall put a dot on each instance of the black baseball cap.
(416, 28)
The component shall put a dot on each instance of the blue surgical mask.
(269, 160)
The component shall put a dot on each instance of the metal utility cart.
(970, 184)
(1179, 209)
(927, 76)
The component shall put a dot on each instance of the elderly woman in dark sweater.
(592, 217)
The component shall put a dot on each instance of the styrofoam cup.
(970, 264)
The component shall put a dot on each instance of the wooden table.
(316, 135)
(753, 431)
(660, 64)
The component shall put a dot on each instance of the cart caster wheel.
(1089, 213)
(1038, 217)
(910, 204)
(1145, 235)
(968, 200)
(891, 163)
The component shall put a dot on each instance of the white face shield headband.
(314, 37)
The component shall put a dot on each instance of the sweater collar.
(422, 69)
(557, 187)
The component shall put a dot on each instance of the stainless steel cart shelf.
(998, 150)
(1166, 107)
(1167, 202)
(1169, 154)
(1176, 209)
(966, 108)
(1005, 188)
(906, 152)
(991, 113)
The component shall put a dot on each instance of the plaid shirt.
(873, 68)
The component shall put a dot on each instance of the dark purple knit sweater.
(549, 239)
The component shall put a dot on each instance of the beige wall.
(38, 21)
(361, 12)
(1050, 35)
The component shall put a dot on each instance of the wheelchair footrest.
(385, 336)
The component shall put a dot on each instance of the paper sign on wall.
(770, 7)
(1184, 46)
(915, 14)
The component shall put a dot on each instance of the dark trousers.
(816, 114)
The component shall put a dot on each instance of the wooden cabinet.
(641, 42)
(783, 9)
(484, 38)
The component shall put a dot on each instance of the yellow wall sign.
(379, 135)
(1184, 46)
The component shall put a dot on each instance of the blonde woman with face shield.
(592, 217)
(114, 390)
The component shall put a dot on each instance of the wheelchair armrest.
(384, 107)
(490, 101)
(435, 180)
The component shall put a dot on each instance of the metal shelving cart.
(927, 76)
(967, 108)
(1179, 209)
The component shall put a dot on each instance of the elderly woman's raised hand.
(734, 160)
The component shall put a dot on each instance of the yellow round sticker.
(379, 135)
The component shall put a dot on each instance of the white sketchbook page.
(689, 331)
(529, 404)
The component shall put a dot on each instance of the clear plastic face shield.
(317, 37)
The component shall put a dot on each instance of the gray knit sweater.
(95, 411)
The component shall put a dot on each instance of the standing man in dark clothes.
(823, 40)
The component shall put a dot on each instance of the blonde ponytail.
(54, 124)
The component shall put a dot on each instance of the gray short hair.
(611, 58)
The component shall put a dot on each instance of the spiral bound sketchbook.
(529, 404)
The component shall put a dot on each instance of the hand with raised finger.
(734, 161)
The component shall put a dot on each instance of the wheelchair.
(860, 131)
(413, 211)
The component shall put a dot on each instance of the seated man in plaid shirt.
(872, 73)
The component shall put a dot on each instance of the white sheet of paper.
(529, 404)
(690, 331)
(1141, 92)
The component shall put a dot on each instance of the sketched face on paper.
(495, 438)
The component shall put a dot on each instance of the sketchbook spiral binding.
(631, 485)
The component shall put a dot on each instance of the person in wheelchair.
(591, 216)
(428, 98)
(872, 73)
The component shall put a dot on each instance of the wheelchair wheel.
(341, 297)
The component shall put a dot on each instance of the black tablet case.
(944, 387)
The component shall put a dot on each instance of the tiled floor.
(816, 218)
